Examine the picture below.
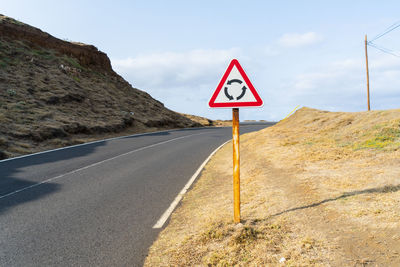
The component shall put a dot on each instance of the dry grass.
(319, 188)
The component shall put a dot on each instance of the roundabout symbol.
(244, 88)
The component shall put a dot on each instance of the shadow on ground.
(383, 189)
(12, 185)
(15, 190)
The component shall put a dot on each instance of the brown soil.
(317, 189)
(55, 93)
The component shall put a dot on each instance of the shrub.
(11, 92)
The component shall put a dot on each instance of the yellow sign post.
(236, 165)
(233, 91)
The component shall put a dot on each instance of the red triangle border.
(257, 103)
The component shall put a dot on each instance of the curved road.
(95, 204)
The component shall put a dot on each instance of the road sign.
(235, 90)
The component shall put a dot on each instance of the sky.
(306, 53)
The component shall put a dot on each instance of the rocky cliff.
(55, 93)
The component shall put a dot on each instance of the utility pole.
(366, 60)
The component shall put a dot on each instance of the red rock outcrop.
(88, 55)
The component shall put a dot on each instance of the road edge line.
(105, 140)
(93, 164)
(164, 217)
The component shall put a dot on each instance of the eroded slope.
(55, 93)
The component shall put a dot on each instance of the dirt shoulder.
(320, 188)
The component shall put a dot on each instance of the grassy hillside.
(55, 93)
(317, 189)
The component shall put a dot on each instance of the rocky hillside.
(55, 93)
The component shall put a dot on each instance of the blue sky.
(307, 53)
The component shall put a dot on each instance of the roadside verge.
(319, 188)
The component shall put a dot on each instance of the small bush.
(11, 92)
(3, 64)
(21, 105)
(73, 62)
(44, 54)
(386, 137)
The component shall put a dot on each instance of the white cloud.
(182, 81)
(174, 69)
(185, 81)
(310, 81)
(342, 85)
(298, 39)
(382, 61)
(329, 77)
(269, 51)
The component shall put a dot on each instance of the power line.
(383, 49)
(389, 29)
(386, 31)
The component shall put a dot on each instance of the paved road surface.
(96, 204)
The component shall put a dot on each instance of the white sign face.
(235, 90)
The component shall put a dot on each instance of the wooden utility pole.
(366, 60)
(236, 165)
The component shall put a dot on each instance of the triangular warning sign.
(235, 90)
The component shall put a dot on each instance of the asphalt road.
(95, 204)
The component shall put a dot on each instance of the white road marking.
(94, 164)
(168, 212)
(99, 141)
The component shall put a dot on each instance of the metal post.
(236, 165)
